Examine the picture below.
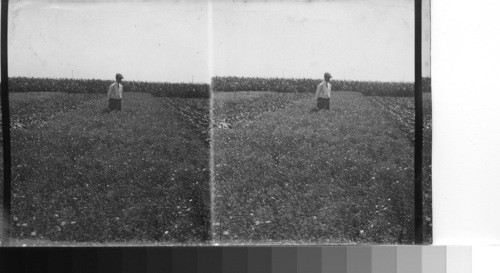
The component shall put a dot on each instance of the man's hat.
(118, 75)
(328, 75)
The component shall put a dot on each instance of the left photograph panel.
(110, 113)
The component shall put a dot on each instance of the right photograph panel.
(313, 122)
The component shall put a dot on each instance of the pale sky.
(169, 41)
(151, 41)
(352, 39)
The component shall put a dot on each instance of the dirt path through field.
(85, 175)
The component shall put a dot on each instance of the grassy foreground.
(338, 176)
(137, 175)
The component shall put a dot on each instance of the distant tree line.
(93, 86)
(227, 84)
(287, 85)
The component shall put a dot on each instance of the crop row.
(196, 112)
(160, 89)
(232, 112)
(24, 113)
(402, 112)
(368, 88)
(137, 175)
(336, 175)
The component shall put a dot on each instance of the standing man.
(115, 92)
(323, 93)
